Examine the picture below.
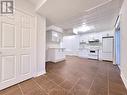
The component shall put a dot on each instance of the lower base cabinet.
(55, 54)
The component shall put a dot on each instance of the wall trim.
(40, 73)
(124, 79)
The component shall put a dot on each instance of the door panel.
(8, 57)
(8, 68)
(8, 35)
(107, 45)
(25, 64)
(107, 48)
(26, 38)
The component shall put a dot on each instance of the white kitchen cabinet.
(55, 54)
(83, 53)
(89, 53)
(53, 36)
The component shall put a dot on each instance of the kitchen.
(93, 45)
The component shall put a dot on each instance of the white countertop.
(56, 48)
(91, 48)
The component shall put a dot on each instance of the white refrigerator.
(107, 48)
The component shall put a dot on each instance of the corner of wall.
(124, 79)
(123, 26)
(40, 73)
(41, 45)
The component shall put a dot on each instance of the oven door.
(93, 54)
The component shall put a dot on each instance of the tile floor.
(75, 76)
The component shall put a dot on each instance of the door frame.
(117, 29)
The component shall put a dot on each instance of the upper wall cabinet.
(53, 36)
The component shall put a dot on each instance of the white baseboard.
(40, 73)
(124, 80)
(57, 60)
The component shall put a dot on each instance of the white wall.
(71, 43)
(41, 44)
(123, 26)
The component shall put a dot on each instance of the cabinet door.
(53, 36)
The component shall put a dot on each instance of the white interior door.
(17, 37)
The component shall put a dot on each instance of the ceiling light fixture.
(82, 29)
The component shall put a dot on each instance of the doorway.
(117, 45)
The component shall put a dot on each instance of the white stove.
(93, 54)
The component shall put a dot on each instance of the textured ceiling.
(72, 13)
